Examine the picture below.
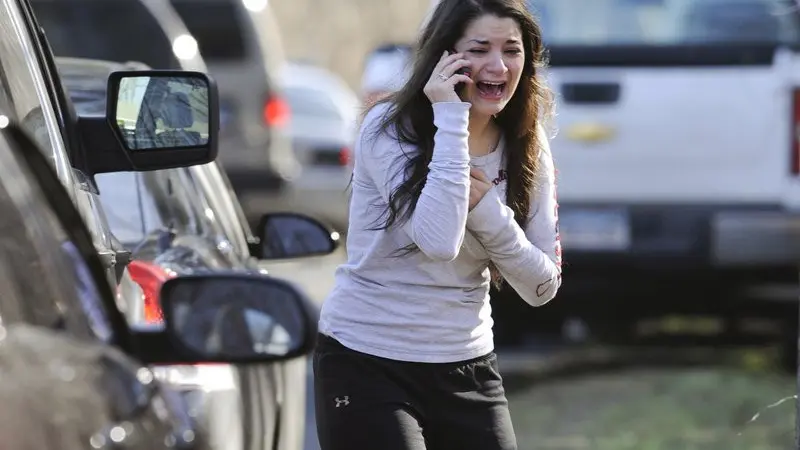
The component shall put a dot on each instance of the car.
(66, 345)
(134, 220)
(259, 154)
(386, 68)
(150, 31)
(170, 45)
(241, 43)
(186, 220)
(80, 147)
(325, 116)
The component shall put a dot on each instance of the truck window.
(666, 22)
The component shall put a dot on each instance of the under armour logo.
(544, 287)
(342, 401)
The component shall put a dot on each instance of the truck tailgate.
(676, 134)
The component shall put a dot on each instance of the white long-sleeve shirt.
(433, 305)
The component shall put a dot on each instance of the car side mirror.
(155, 119)
(234, 318)
(292, 235)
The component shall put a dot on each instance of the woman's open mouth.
(491, 90)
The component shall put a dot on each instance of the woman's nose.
(496, 64)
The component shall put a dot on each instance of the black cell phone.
(462, 71)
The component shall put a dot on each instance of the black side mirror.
(155, 119)
(292, 235)
(231, 318)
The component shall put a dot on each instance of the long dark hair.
(411, 117)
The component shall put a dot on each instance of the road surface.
(315, 276)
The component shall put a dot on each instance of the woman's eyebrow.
(486, 41)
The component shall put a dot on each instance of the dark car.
(187, 220)
(237, 43)
(127, 137)
(72, 367)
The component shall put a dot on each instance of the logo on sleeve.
(544, 287)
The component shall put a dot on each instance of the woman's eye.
(514, 51)
(477, 50)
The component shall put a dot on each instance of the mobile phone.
(462, 71)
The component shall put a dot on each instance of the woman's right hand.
(441, 85)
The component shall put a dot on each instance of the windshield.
(112, 30)
(666, 22)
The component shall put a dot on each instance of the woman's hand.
(441, 85)
(479, 185)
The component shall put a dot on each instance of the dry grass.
(657, 409)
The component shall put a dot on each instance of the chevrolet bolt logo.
(590, 132)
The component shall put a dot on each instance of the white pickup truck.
(678, 135)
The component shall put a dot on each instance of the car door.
(275, 394)
(28, 95)
(266, 401)
(57, 311)
(212, 185)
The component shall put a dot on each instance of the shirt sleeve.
(438, 224)
(529, 259)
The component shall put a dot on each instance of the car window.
(23, 92)
(123, 205)
(111, 30)
(137, 204)
(665, 22)
(175, 205)
(86, 90)
(216, 25)
(43, 279)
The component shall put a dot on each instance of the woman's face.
(494, 46)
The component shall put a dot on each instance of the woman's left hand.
(479, 185)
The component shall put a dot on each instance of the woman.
(405, 356)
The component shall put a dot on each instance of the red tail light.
(795, 132)
(344, 156)
(276, 111)
(150, 277)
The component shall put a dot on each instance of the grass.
(656, 409)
